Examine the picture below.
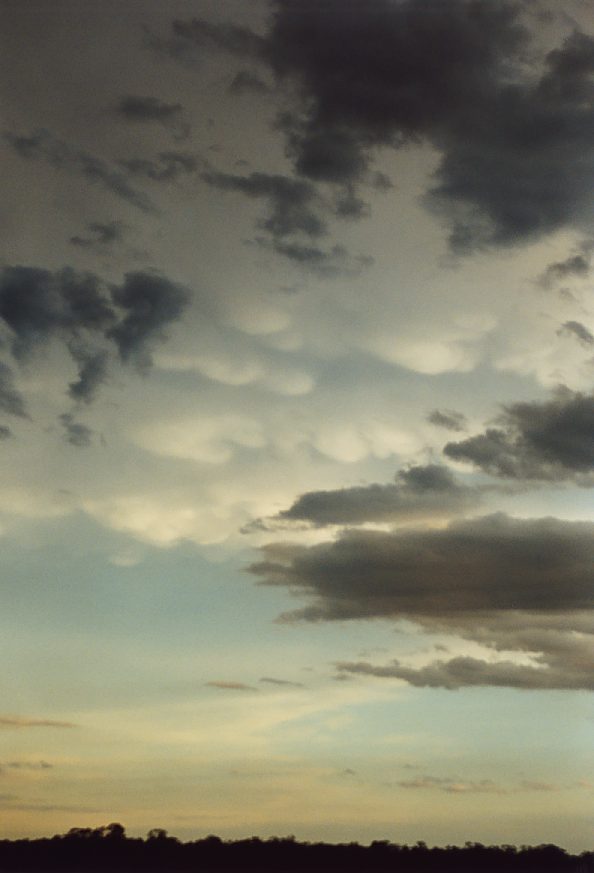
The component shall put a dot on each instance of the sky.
(297, 419)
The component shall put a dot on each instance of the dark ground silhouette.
(109, 849)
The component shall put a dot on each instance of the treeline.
(109, 849)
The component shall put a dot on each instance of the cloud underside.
(552, 440)
(418, 492)
(519, 586)
(98, 324)
(514, 135)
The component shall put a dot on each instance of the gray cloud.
(508, 584)
(486, 564)
(323, 263)
(247, 82)
(294, 203)
(223, 36)
(230, 686)
(580, 331)
(576, 265)
(16, 721)
(96, 322)
(418, 492)
(448, 419)
(75, 433)
(42, 145)
(11, 401)
(454, 786)
(145, 110)
(27, 765)
(549, 673)
(552, 440)
(270, 680)
(516, 142)
(102, 235)
(168, 167)
(5, 432)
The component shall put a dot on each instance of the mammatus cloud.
(519, 585)
(16, 721)
(97, 323)
(552, 440)
(42, 145)
(418, 492)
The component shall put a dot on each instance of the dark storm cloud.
(448, 419)
(102, 235)
(11, 401)
(293, 203)
(75, 433)
(516, 140)
(94, 321)
(169, 166)
(580, 331)
(42, 145)
(552, 441)
(148, 302)
(511, 585)
(417, 493)
(323, 263)
(488, 564)
(145, 110)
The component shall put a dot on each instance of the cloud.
(5, 432)
(247, 82)
(418, 492)
(324, 263)
(42, 145)
(551, 440)
(230, 686)
(223, 36)
(549, 673)
(447, 419)
(576, 265)
(580, 331)
(292, 203)
(102, 235)
(143, 110)
(515, 133)
(76, 434)
(27, 765)
(511, 585)
(11, 401)
(95, 321)
(16, 721)
(169, 166)
(149, 302)
(454, 786)
(282, 682)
